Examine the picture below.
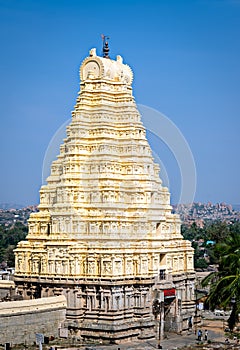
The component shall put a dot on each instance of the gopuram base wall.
(118, 310)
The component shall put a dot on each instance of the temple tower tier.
(104, 235)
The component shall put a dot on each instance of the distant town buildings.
(205, 212)
(10, 216)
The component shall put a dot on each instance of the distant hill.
(6, 206)
(202, 212)
(236, 207)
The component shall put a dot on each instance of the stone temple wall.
(21, 320)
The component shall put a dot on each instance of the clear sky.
(185, 56)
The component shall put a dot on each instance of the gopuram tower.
(104, 235)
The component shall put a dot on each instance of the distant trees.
(9, 237)
(219, 243)
(199, 260)
(204, 240)
(215, 231)
(225, 283)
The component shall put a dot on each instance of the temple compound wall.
(105, 236)
(21, 320)
(7, 289)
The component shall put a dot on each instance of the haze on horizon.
(185, 56)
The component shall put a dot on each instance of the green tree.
(200, 263)
(217, 231)
(9, 237)
(225, 284)
(191, 233)
(9, 255)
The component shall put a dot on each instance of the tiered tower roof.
(104, 211)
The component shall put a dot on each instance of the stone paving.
(173, 342)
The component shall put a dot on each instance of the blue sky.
(185, 56)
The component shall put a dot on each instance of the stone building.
(104, 235)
